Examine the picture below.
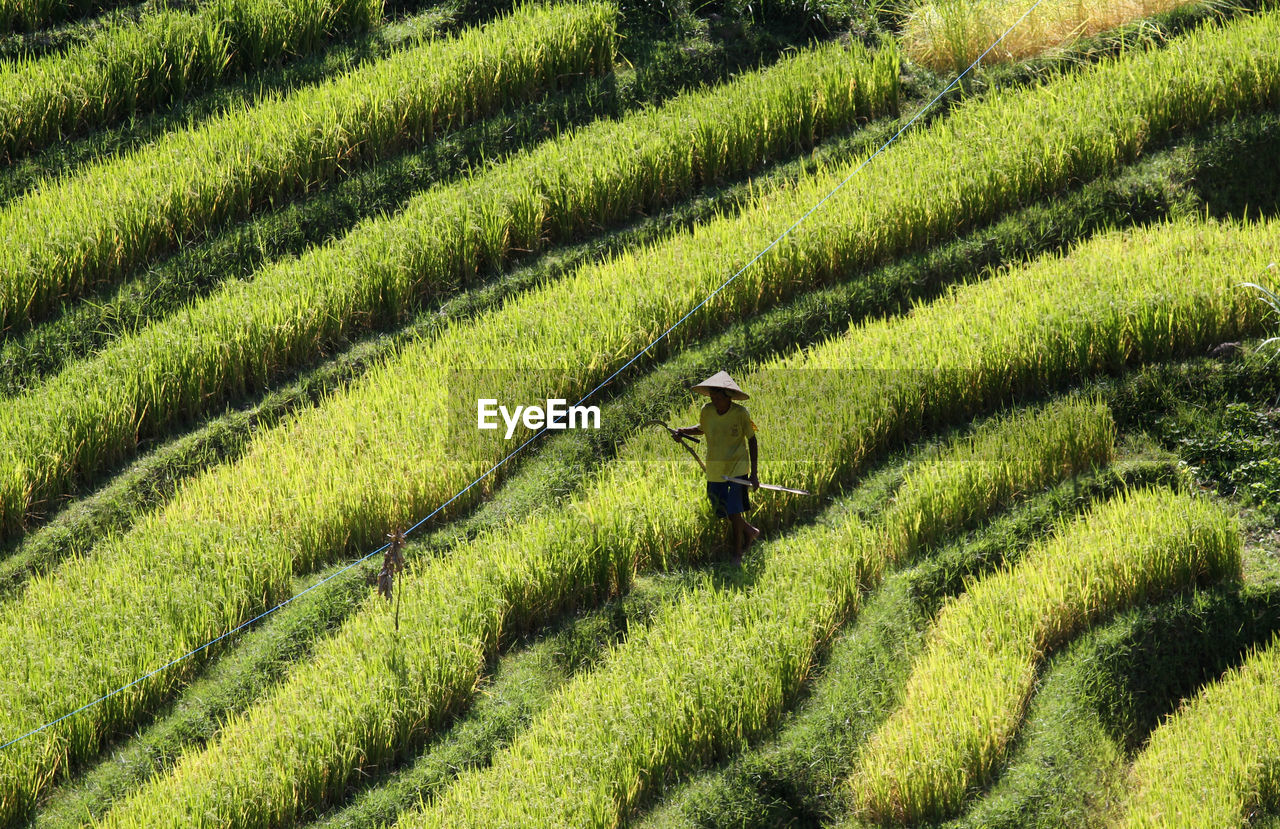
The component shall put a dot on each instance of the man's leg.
(743, 535)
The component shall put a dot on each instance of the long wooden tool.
(774, 487)
(681, 439)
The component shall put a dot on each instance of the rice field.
(965, 698)
(442, 238)
(567, 641)
(136, 68)
(93, 227)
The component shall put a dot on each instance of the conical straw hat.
(721, 380)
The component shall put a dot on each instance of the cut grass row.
(966, 697)
(930, 184)
(93, 226)
(340, 477)
(1111, 302)
(249, 332)
(136, 67)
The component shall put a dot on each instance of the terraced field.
(261, 259)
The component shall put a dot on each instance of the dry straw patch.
(950, 34)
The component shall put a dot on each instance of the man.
(732, 451)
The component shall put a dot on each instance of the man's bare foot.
(752, 535)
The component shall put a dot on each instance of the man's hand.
(755, 481)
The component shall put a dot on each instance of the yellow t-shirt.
(726, 436)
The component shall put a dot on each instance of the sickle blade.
(774, 487)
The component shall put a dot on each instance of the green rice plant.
(92, 227)
(790, 777)
(253, 331)
(1215, 762)
(719, 668)
(965, 699)
(929, 185)
(948, 35)
(125, 69)
(1113, 301)
(164, 56)
(266, 31)
(1269, 298)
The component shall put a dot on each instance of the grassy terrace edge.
(794, 776)
(963, 703)
(29, 15)
(589, 762)
(1214, 763)
(719, 667)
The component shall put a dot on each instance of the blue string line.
(543, 431)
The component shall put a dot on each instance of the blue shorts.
(728, 498)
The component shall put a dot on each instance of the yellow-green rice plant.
(718, 669)
(244, 334)
(929, 185)
(1060, 440)
(965, 699)
(1111, 302)
(94, 225)
(948, 35)
(1216, 761)
(127, 68)
(263, 31)
(382, 452)
(941, 495)
(164, 56)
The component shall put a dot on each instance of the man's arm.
(753, 447)
(691, 431)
